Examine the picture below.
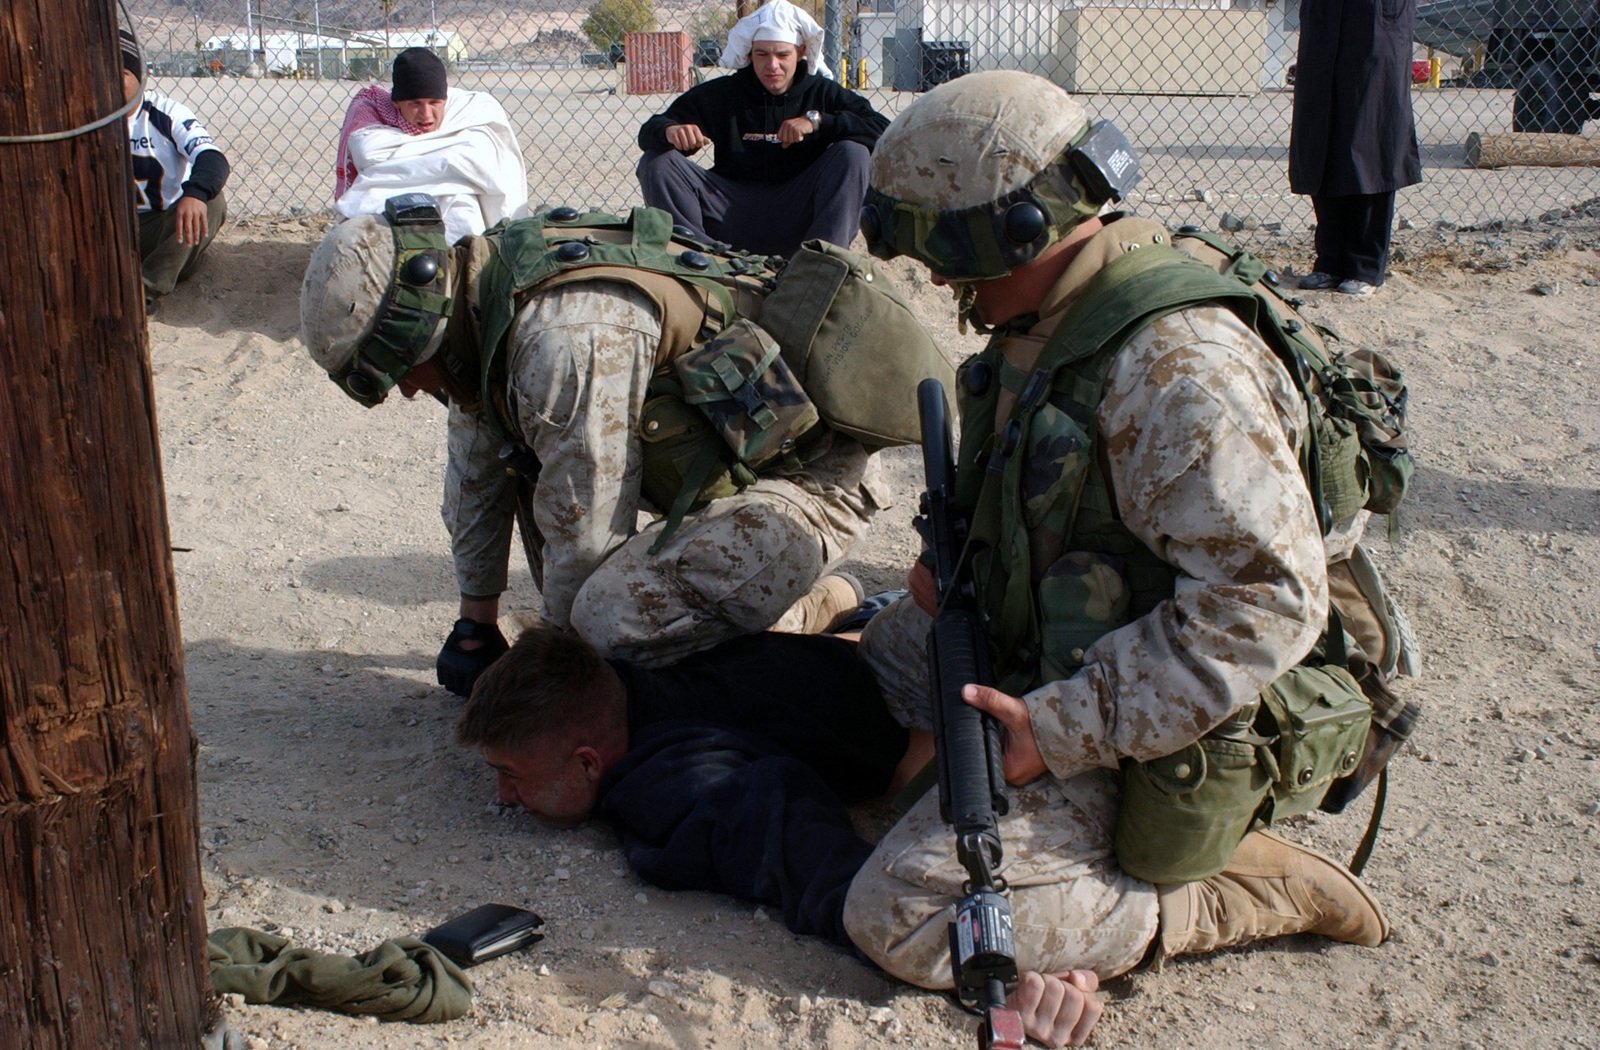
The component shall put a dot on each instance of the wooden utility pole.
(102, 923)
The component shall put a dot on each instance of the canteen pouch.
(748, 394)
(854, 343)
(678, 444)
(1183, 814)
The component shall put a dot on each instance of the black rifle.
(971, 784)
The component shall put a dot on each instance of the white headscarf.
(777, 21)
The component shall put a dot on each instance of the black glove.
(458, 668)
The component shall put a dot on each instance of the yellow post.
(861, 73)
(844, 72)
(1434, 67)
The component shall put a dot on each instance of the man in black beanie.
(178, 175)
(420, 87)
(408, 140)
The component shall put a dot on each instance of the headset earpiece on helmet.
(416, 301)
(1023, 223)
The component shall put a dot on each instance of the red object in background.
(658, 63)
(1420, 72)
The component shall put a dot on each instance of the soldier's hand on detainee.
(1057, 1009)
(1020, 760)
(794, 129)
(191, 220)
(467, 653)
(686, 138)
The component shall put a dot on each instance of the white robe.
(471, 163)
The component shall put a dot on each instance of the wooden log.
(1547, 149)
(102, 924)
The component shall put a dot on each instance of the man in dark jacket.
(1353, 143)
(791, 146)
(728, 771)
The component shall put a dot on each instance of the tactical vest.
(746, 343)
(1056, 569)
(696, 291)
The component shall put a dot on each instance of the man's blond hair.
(549, 686)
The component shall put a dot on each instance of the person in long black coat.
(1353, 143)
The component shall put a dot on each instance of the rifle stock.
(967, 742)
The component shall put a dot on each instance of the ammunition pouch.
(748, 393)
(722, 413)
(682, 454)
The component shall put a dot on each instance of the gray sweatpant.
(769, 218)
(163, 261)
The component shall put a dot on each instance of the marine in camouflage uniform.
(1198, 431)
(576, 363)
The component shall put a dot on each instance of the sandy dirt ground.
(315, 587)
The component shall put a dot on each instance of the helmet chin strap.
(965, 293)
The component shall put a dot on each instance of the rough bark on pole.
(102, 924)
(1546, 149)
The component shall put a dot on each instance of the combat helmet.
(984, 172)
(376, 296)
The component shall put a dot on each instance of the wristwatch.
(816, 119)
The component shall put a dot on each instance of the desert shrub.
(610, 20)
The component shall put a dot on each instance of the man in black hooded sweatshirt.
(791, 147)
(729, 771)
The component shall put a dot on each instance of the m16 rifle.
(971, 783)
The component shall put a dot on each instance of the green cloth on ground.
(399, 980)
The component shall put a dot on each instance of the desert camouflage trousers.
(732, 568)
(1071, 906)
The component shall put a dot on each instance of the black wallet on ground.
(486, 932)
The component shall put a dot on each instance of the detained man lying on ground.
(728, 772)
(421, 137)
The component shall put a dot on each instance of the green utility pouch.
(718, 414)
(747, 392)
(1183, 814)
(1320, 716)
(678, 444)
(1368, 393)
(854, 343)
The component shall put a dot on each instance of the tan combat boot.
(829, 598)
(1270, 888)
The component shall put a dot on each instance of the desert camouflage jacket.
(578, 359)
(1199, 427)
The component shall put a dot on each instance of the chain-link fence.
(1203, 87)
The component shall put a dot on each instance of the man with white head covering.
(791, 147)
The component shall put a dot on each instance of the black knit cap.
(418, 73)
(130, 54)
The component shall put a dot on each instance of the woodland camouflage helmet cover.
(984, 172)
(376, 293)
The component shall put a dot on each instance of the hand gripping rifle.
(971, 797)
